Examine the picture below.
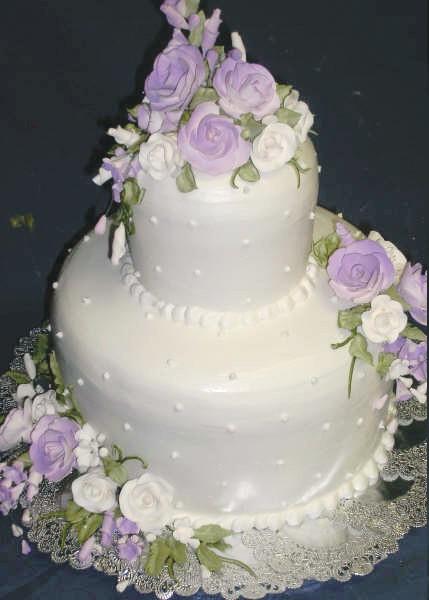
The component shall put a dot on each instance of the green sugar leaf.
(64, 533)
(134, 111)
(251, 128)
(192, 7)
(221, 545)
(41, 348)
(283, 91)
(288, 116)
(196, 35)
(385, 359)
(25, 459)
(88, 527)
(247, 172)
(2, 419)
(20, 221)
(359, 349)
(177, 551)
(413, 333)
(115, 470)
(131, 194)
(325, 247)
(221, 52)
(18, 377)
(208, 558)
(56, 373)
(203, 94)
(74, 513)
(186, 180)
(211, 534)
(159, 551)
(352, 317)
(394, 294)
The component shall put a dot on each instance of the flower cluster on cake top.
(204, 110)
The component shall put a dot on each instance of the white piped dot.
(232, 376)
(224, 484)
(359, 422)
(360, 374)
(312, 215)
(179, 505)
(319, 169)
(137, 274)
(55, 285)
(334, 299)
(106, 376)
(340, 214)
(287, 269)
(283, 503)
(197, 273)
(103, 452)
(349, 476)
(149, 316)
(326, 426)
(86, 238)
(80, 381)
(285, 333)
(246, 189)
(318, 475)
(248, 301)
(192, 223)
(231, 428)
(280, 462)
(86, 300)
(69, 250)
(153, 221)
(158, 269)
(286, 214)
(314, 380)
(171, 363)
(127, 427)
(284, 417)
(175, 455)
(59, 335)
(179, 407)
(245, 242)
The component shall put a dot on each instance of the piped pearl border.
(319, 507)
(197, 316)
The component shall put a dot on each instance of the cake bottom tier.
(252, 426)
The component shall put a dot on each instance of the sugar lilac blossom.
(211, 142)
(360, 271)
(176, 12)
(413, 288)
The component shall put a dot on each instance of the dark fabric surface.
(67, 69)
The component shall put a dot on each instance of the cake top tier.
(205, 111)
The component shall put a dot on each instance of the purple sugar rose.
(211, 142)
(52, 444)
(246, 88)
(211, 31)
(360, 271)
(177, 74)
(176, 12)
(413, 287)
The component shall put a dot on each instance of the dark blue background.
(68, 69)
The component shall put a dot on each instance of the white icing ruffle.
(294, 515)
(197, 316)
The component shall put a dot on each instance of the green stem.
(352, 367)
(238, 563)
(143, 463)
(120, 454)
(343, 343)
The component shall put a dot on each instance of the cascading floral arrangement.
(376, 288)
(204, 110)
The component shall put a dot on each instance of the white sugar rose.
(124, 137)
(94, 492)
(147, 501)
(160, 157)
(44, 404)
(305, 123)
(397, 259)
(274, 147)
(385, 321)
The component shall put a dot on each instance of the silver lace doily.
(356, 536)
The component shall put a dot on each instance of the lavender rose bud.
(211, 31)
(211, 142)
(155, 121)
(413, 288)
(175, 11)
(246, 88)
(52, 444)
(416, 355)
(360, 271)
(178, 73)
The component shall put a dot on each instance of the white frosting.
(258, 417)
(239, 241)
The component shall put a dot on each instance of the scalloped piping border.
(194, 315)
(319, 507)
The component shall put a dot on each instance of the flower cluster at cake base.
(47, 439)
(204, 110)
(380, 294)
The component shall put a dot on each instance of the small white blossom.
(160, 157)
(183, 532)
(44, 404)
(384, 321)
(238, 44)
(124, 137)
(30, 367)
(398, 368)
(87, 451)
(420, 393)
(305, 123)
(102, 176)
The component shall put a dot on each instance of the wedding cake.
(240, 349)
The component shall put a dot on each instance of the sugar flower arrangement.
(45, 438)
(204, 110)
(377, 287)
